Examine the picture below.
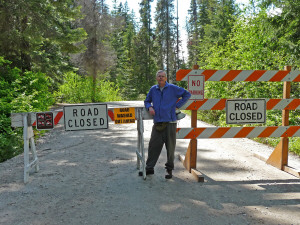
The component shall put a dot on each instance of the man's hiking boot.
(148, 172)
(169, 174)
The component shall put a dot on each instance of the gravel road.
(90, 177)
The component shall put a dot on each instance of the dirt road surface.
(90, 177)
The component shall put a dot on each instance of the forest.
(79, 51)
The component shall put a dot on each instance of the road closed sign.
(244, 111)
(85, 117)
(196, 86)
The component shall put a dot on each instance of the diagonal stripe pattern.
(238, 132)
(241, 75)
(219, 104)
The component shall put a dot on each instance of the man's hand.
(151, 111)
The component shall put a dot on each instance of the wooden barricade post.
(190, 159)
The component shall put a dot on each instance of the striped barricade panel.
(17, 121)
(219, 104)
(237, 132)
(17, 118)
(241, 75)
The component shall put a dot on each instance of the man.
(162, 102)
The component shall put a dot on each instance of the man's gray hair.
(160, 71)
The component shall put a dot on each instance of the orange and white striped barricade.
(241, 75)
(279, 157)
(238, 132)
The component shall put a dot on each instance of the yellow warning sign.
(124, 115)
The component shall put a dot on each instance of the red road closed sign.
(196, 86)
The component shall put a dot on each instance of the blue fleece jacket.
(166, 101)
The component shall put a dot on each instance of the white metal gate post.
(29, 145)
(140, 152)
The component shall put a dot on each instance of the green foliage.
(77, 89)
(253, 44)
(20, 92)
(39, 35)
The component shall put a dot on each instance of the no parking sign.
(196, 86)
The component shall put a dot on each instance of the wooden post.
(279, 157)
(190, 159)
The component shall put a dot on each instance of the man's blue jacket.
(166, 101)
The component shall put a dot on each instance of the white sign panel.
(85, 117)
(243, 111)
(196, 86)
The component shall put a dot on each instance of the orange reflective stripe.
(58, 117)
(294, 104)
(255, 75)
(244, 132)
(220, 132)
(279, 75)
(208, 73)
(290, 131)
(220, 105)
(194, 133)
(297, 79)
(231, 75)
(196, 105)
(267, 132)
(272, 103)
(180, 74)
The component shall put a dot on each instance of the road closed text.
(245, 111)
(85, 117)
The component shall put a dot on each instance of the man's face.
(161, 79)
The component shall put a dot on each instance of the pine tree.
(165, 37)
(211, 22)
(122, 40)
(40, 35)
(98, 56)
(143, 61)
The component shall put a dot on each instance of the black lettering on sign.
(69, 123)
(246, 116)
(82, 112)
(74, 112)
(236, 106)
(82, 122)
(245, 106)
(88, 122)
(89, 112)
(124, 109)
(259, 116)
(254, 106)
(101, 121)
(96, 112)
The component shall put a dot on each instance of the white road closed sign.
(85, 117)
(196, 86)
(243, 111)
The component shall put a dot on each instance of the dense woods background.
(79, 51)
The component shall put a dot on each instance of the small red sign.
(44, 121)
